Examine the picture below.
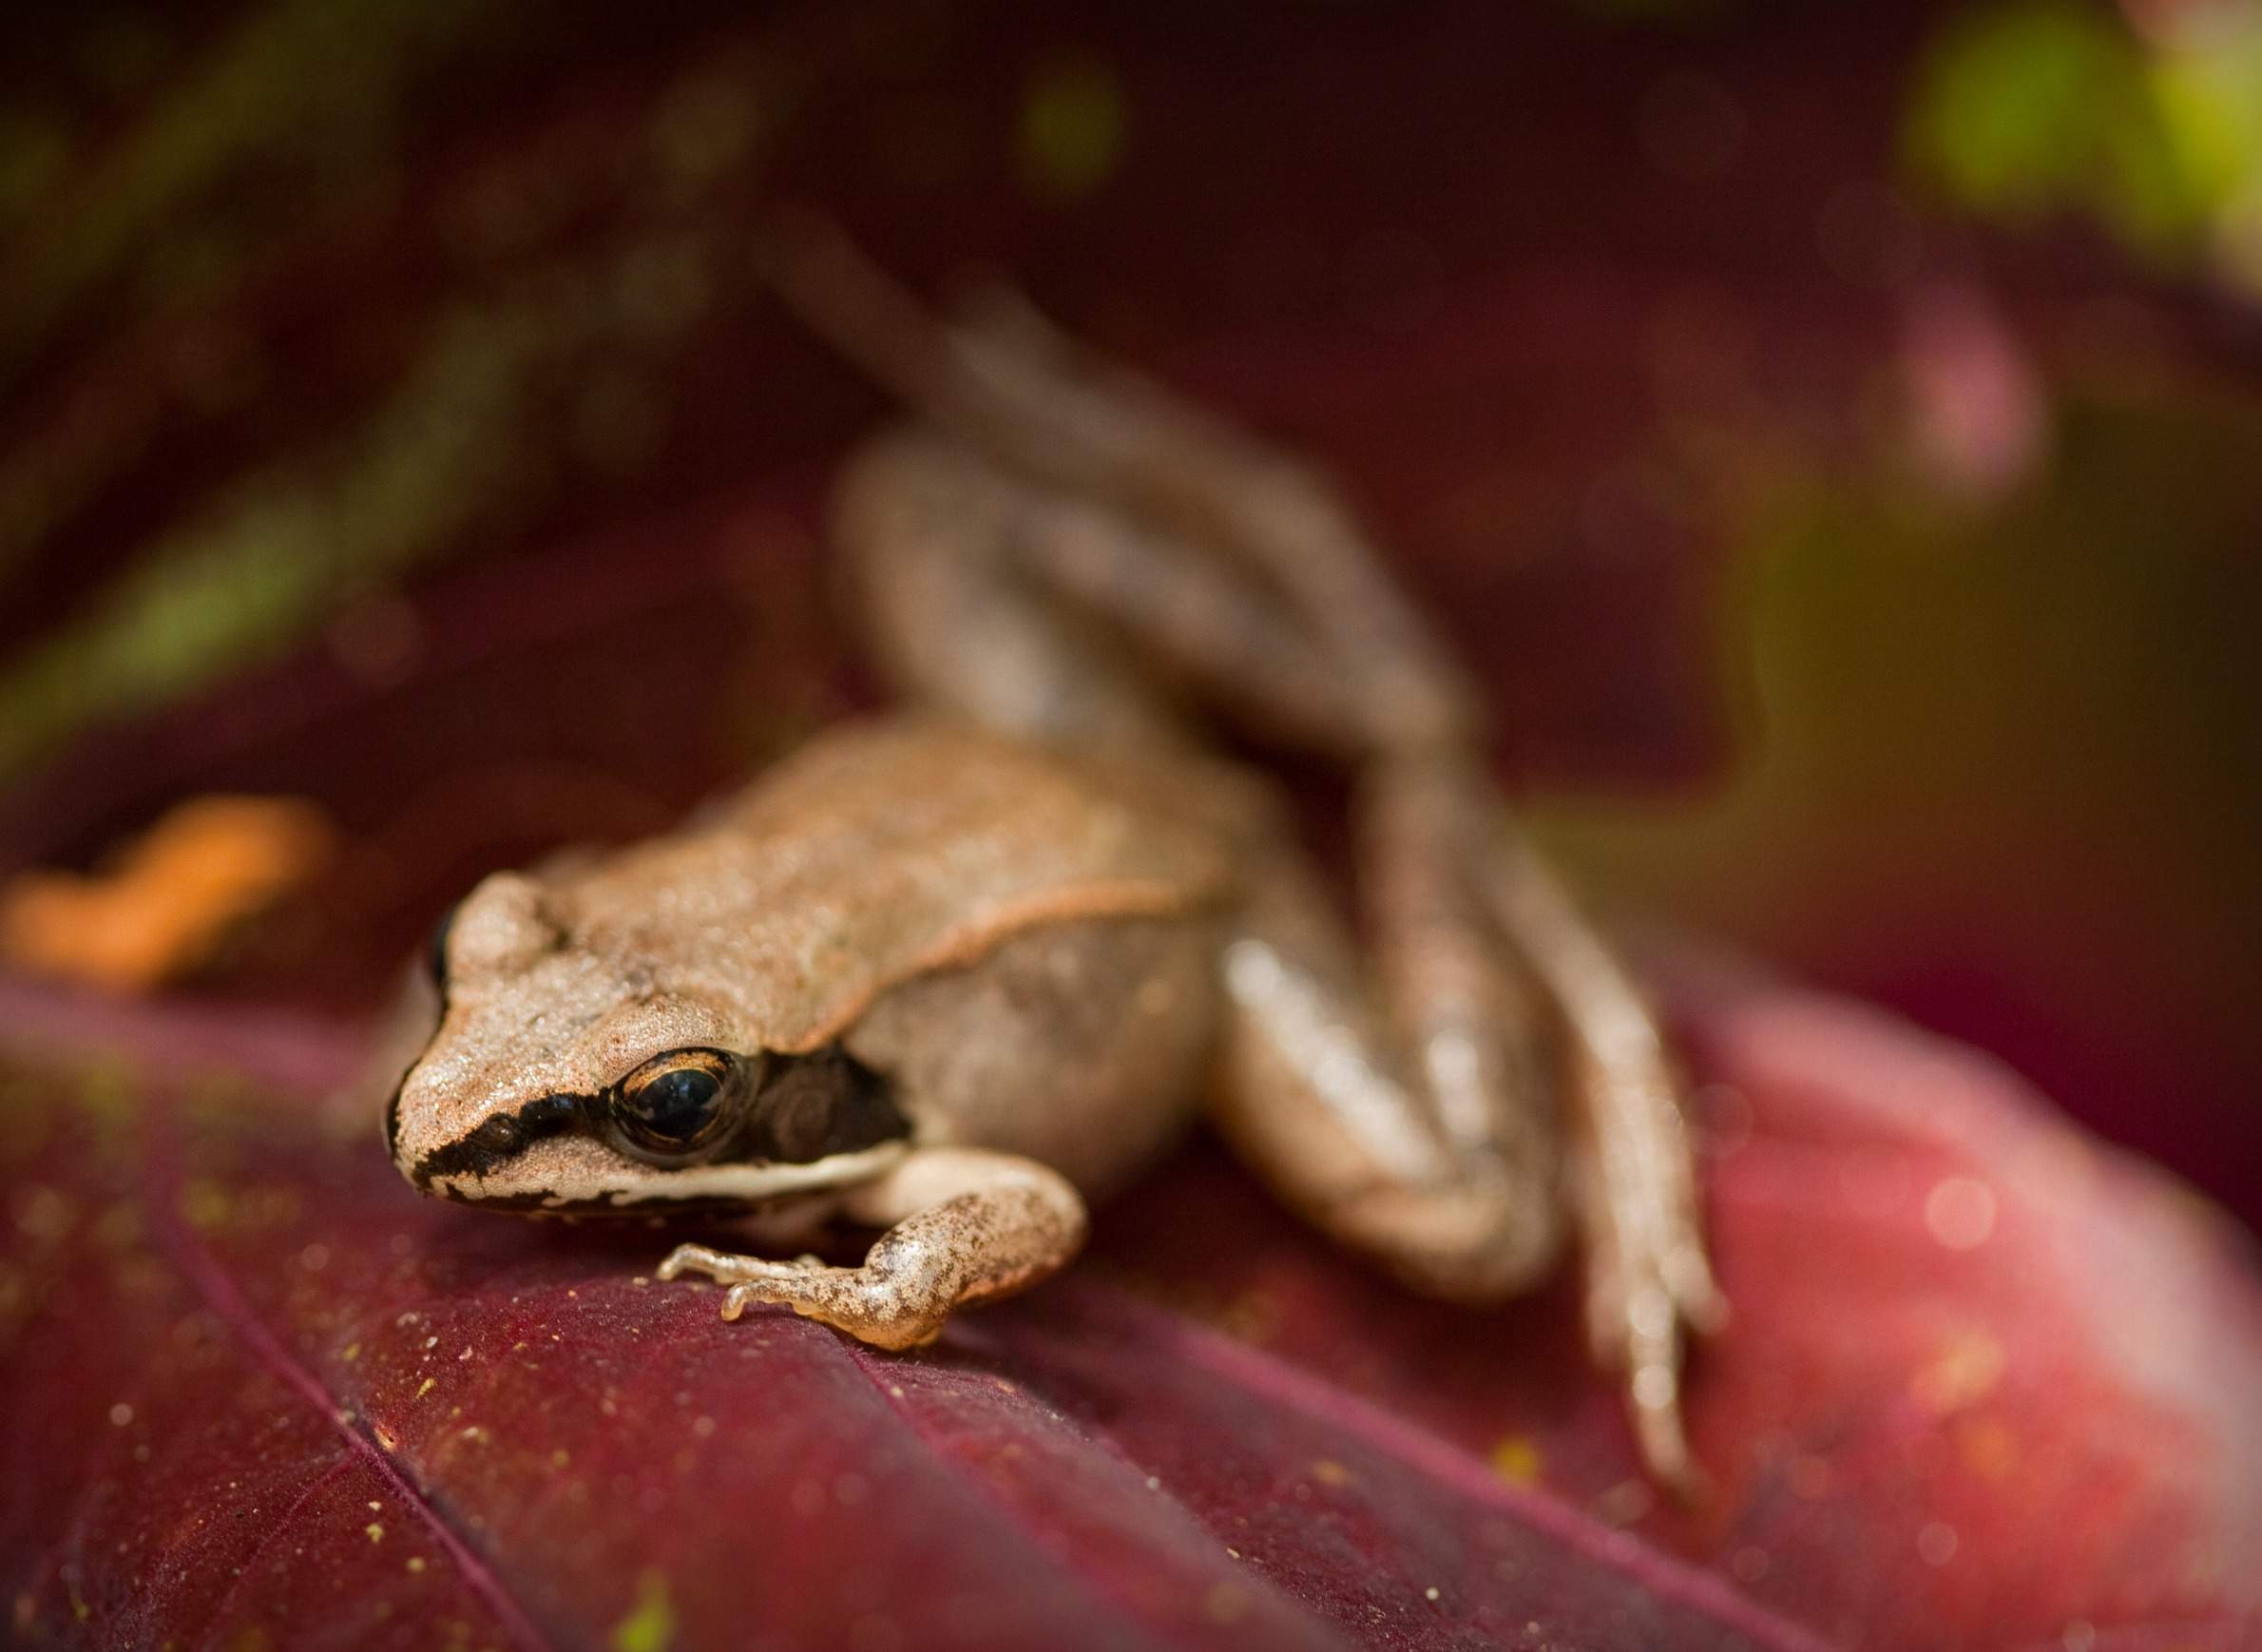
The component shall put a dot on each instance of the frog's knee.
(1466, 1244)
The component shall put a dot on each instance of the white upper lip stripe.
(731, 1181)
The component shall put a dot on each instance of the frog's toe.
(695, 1259)
(781, 1286)
(759, 1288)
(1639, 1326)
(735, 1302)
(850, 1300)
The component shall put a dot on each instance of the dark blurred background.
(1834, 431)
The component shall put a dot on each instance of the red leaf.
(256, 1386)
(1989, 1384)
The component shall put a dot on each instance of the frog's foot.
(963, 1227)
(1634, 1171)
(1648, 1283)
(871, 1306)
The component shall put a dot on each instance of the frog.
(949, 976)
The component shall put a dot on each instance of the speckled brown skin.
(1053, 926)
(1020, 942)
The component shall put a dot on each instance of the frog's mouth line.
(734, 1185)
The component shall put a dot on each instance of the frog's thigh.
(928, 533)
(963, 1226)
(1312, 1094)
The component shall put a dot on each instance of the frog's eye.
(678, 1102)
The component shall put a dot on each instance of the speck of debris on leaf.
(1224, 1603)
(1517, 1459)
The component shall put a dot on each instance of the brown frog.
(953, 973)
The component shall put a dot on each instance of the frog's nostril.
(435, 949)
(499, 1137)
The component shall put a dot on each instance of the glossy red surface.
(1988, 1386)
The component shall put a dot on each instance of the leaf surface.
(256, 1387)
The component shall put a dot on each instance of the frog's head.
(567, 1074)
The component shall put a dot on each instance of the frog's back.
(889, 848)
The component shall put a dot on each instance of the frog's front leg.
(963, 1227)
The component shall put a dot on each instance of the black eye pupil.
(675, 1107)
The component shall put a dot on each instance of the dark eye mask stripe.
(502, 1137)
(811, 1107)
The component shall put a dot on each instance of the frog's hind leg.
(1635, 1171)
(1416, 1109)
(1236, 565)
(1437, 829)
(1074, 555)
(963, 1227)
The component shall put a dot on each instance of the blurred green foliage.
(2010, 743)
(1070, 130)
(2037, 107)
